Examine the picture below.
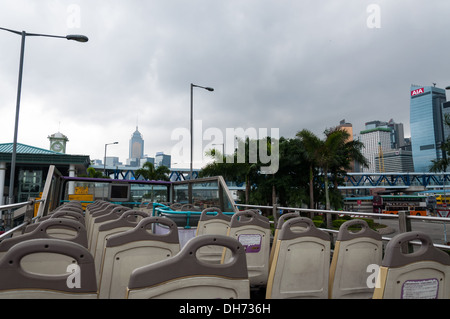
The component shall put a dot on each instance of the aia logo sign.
(417, 92)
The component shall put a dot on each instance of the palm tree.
(330, 155)
(441, 164)
(232, 169)
(149, 172)
(312, 144)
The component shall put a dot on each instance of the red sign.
(443, 213)
(416, 92)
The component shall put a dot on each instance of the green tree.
(149, 172)
(330, 155)
(349, 151)
(92, 172)
(312, 145)
(441, 164)
(233, 168)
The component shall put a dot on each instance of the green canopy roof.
(36, 155)
(24, 149)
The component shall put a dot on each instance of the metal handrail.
(16, 206)
(322, 211)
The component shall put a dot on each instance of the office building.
(395, 161)
(162, 159)
(348, 127)
(136, 149)
(376, 140)
(427, 112)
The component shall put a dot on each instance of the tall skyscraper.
(348, 127)
(136, 148)
(376, 140)
(427, 126)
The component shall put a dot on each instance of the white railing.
(404, 219)
(9, 210)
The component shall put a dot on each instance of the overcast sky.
(286, 64)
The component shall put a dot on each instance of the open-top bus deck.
(118, 239)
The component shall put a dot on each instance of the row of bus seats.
(112, 252)
(45, 259)
(299, 263)
(110, 256)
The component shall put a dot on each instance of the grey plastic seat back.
(102, 210)
(253, 232)
(184, 276)
(212, 222)
(280, 223)
(176, 206)
(59, 214)
(75, 279)
(128, 220)
(300, 267)
(96, 222)
(134, 248)
(53, 228)
(422, 274)
(353, 253)
(72, 206)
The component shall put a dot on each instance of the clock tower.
(58, 142)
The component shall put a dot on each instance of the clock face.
(57, 147)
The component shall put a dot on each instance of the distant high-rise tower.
(162, 159)
(376, 140)
(136, 148)
(348, 127)
(428, 132)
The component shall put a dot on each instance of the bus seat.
(253, 232)
(128, 220)
(176, 206)
(189, 207)
(212, 222)
(72, 206)
(18, 281)
(353, 253)
(300, 266)
(59, 228)
(422, 274)
(280, 223)
(95, 206)
(103, 210)
(59, 214)
(185, 276)
(132, 249)
(115, 213)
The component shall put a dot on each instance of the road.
(437, 230)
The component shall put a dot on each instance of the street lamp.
(23, 34)
(192, 121)
(104, 163)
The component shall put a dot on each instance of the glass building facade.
(427, 125)
(136, 147)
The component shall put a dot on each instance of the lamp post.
(192, 121)
(23, 34)
(104, 162)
